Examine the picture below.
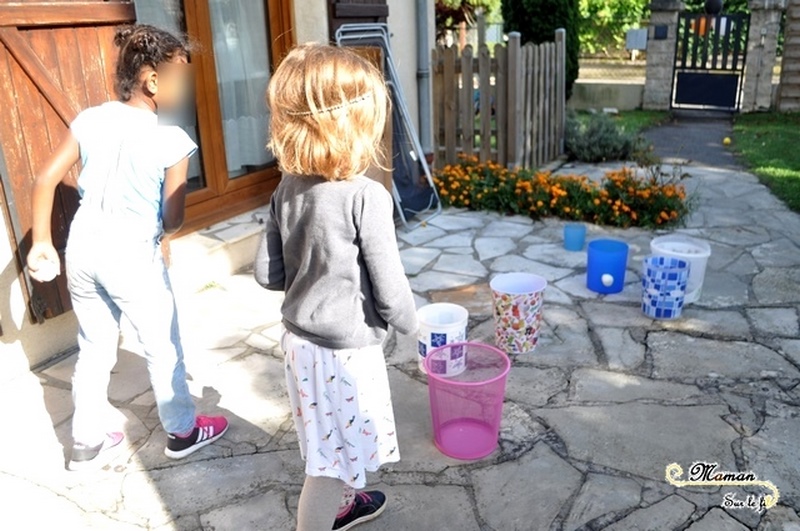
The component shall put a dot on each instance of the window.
(235, 54)
(239, 29)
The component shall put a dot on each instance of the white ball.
(48, 270)
(607, 280)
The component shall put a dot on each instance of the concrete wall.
(402, 25)
(311, 20)
(23, 343)
(587, 94)
(311, 24)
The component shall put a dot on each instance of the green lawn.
(635, 121)
(769, 144)
(639, 120)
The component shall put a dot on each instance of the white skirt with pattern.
(342, 409)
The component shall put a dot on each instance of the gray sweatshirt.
(331, 247)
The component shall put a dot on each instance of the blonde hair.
(328, 108)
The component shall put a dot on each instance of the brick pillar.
(660, 53)
(762, 44)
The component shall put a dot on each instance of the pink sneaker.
(206, 431)
(94, 457)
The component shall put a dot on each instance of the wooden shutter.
(56, 58)
(355, 11)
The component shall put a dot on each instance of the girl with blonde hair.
(330, 245)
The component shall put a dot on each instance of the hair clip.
(332, 108)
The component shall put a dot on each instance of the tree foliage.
(605, 22)
(729, 6)
(537, 21)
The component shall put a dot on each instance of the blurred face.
(175, 83)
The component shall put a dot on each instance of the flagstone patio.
(591, 418)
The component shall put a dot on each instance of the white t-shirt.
(125, 153)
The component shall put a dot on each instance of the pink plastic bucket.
(466, 409)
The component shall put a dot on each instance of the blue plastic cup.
(574, 236)
(607, 261)
(664, 281)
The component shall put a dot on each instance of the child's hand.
(43, 262)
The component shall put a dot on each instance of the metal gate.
(710, 54)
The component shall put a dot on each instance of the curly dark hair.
(143, 45)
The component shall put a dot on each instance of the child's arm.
(173, 196)
(268, 267)
(393, 298)
(44, 187)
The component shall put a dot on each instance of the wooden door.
(56, 58)
(355, 11)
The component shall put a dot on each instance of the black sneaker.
(94, 457)
(366, 506)
(206, 431)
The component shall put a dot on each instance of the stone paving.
(591, 420)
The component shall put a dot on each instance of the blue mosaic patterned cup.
(664, 281)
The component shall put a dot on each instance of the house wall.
(311, 20)
(311, 24)
(590, 94)
(403, 29)
(24, 344)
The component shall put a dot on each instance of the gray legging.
(321, 500)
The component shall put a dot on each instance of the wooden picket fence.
(507, 106)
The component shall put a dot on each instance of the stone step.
(792, 52)
(791, 78)
(790, 105)
(201, 258)
(790, 91)
(791, 66)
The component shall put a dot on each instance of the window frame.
(223, 197)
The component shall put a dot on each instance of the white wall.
(311, 24)
(23, 343)
(311, 20)
(402, 25)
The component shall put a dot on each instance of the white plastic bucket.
(440, 324)
(694, 251)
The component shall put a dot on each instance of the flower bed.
(621, 199)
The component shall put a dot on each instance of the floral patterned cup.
(518, 299)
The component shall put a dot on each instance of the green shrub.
(599, 139)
